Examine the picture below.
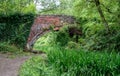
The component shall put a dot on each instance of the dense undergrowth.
(15, 28)
(93, 38)
(95, 54)
(61, 62)
(15, 22)
(12, 50)
(5, 47)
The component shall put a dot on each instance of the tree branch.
(97, 3)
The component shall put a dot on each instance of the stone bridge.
(44, 23)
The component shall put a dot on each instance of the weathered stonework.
(42, 25)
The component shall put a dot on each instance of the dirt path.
(10, 66)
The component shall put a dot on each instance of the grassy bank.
(73, 63)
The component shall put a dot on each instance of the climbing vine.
(15, 28)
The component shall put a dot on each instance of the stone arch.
(42, 25)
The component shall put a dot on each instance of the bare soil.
(10, 66)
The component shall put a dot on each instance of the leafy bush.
(15, 28)
(96, 37)
(62, 37)
(16, 18)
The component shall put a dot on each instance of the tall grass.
(61, 62)
(6, 47)
(80, 63)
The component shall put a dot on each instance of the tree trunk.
(97, 3)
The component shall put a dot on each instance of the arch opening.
(43, 24)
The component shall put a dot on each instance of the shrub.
(15, 28)
(96, 38)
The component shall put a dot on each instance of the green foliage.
(64, 7)
(6, 47)
(54, 39)
(96, 38)
(64, 57)
(62, 37)
(36, 66)
(51, 40)
(15, 28)
(72, 45)
(77, 63)
(16, 6)
(46, 42)
(73, 63)
(16, 18)
(29, 9)
(11, 50)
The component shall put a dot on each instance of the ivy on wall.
(15, 28)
